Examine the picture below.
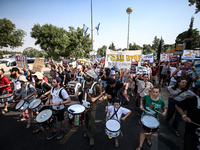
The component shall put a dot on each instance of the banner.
(148, 58)
(21, 61)
(38, 64)
(191, 54)
(64, 61)
(122, 59)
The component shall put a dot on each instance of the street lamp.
(128, 11)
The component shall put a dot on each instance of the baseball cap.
(79, 67)
(58, 79)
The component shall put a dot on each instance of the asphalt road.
(15, 136)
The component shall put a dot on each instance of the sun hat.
(90, 73)
(22, 78)
(39, 75)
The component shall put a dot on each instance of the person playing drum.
(90, 96)
(116, 112)
(28, 93)
(58, 105)
(43, 89)
(152, 105)
(4, 88)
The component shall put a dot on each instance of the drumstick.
(148, 112)
(195, 123)
(158, 112)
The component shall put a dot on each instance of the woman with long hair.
(177, 93)
(30, 78)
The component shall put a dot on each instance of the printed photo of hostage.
(187, 64)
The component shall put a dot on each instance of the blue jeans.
(170, 113)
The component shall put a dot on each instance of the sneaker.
(91, 141)
(24, 118)
(60, 135)
(52, 135)
(85, 135)
(132, 95)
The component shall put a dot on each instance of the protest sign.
(103, 60)
(148, 58)
(65, 61)
(122, 59)
(21, 61)
(174, 59)
(191, 54)
(38, 64)
(164, 57)
(141, 70)
(133, 67)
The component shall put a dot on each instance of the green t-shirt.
(152, 105)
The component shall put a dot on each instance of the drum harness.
(85, 103)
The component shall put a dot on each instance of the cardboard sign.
(141, 70)
(65, 61)
(21, 61)
(38, 64)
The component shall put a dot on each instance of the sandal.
(37, 130)
(116, 143)
(149, 142)
(28, 125)
(176, 133)
(139, 148)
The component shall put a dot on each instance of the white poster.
(21, 61)
(148, 58)
(141, 70)
(122, 59)
(191, 54)
(164, 57)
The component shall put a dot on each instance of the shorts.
(163, 76)
(154, 78)
(124, 81)
(131, 85)
(103, 83)
(96, 80)
(60, 114)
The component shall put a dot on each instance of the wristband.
(184, 116)
(60, 103)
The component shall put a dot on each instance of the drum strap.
(115, 112)
(198, 102)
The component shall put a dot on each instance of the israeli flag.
(85, 28)
(96, 59)
(97, 29)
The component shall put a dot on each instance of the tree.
(32, 52)
(102, 50)
(159, 48)
(9, 35)
(155, 43)
(197, 5)
(190, 33)
(79, 45)
(112, 46)
(147, 49)
(50, 38)
(134, 46)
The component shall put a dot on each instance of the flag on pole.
(85, 28)
(97, 29)
(96, 60)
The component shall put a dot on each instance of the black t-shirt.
(190, 105)
(107, 70)
(103, 78)
(113, 91)
(67, 73)
(61, 75)
(53, 73)
(40, 90)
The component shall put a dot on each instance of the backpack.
(43, 86)
(92, 87)
(60, 95)
(124, 99)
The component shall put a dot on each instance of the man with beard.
(4, 89)
(91, 93)
(43, 89)
(192, 106)
(59, 97)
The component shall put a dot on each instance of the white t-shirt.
(56, 98)
(119, 113)
(141, 86)
(172, 69)
(17, 85)
(181, 96)
(149, 71)
(96, 72)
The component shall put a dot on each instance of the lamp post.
(128, 11)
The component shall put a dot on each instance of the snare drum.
(6, 98)
(22, 105)
(76, 115)
(150, 123)
(46, 119)
(112, 128)
(36, 105)
(72, 87)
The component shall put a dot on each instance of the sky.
(149, 18)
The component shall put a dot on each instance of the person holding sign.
(152, 104)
